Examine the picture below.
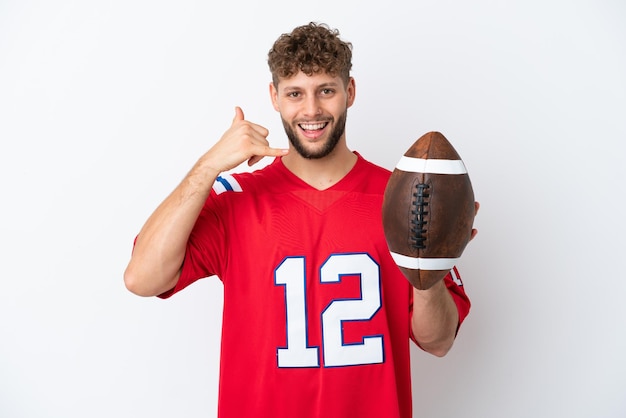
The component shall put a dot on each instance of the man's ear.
(351, 90)
(274, 96)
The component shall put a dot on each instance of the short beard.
(327, 147)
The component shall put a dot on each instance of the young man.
(317, 317)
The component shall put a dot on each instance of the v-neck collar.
(344, 184)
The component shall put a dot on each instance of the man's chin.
(312, 153)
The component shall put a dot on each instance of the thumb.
(238, 114)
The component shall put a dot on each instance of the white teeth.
(312, 126)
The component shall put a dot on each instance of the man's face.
(313, 110)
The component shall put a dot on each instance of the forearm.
(435, 319)
(160, 247)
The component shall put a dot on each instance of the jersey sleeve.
(205, 247)
(457, 290)
(455, 287)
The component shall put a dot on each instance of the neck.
(324, 172)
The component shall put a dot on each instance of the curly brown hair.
(312, 49)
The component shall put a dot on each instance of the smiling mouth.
(312, 126)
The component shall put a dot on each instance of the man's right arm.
(159, 250)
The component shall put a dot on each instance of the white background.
(104, 106)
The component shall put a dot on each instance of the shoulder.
(374, 168)
(372, 174)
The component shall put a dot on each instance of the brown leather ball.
(428, 210)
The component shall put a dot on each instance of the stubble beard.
(327, 147)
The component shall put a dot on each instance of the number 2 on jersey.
(291, 274)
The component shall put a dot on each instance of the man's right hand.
(243, 141)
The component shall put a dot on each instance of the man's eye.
(326, 92)
(294, 94)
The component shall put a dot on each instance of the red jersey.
(316, 319)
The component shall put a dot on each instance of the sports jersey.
(316, 317)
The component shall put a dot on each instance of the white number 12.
(291, 274)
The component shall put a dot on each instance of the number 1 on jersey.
(291, 274)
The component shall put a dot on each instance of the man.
(317, 317)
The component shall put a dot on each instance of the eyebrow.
(321, 86)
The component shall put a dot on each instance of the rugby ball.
(428, 210)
